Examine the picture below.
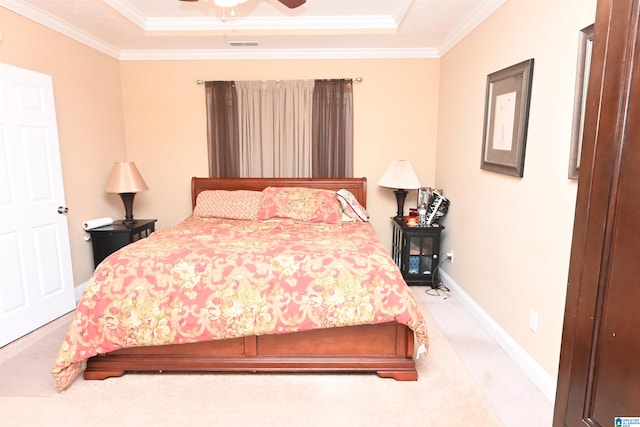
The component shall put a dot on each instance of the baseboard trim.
(79, 290)
(529, 366)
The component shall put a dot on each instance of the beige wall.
(395, 118)
(511, 236)
(86, 86)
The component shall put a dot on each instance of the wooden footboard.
(386, 349)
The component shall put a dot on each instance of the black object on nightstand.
(416, 252)
(109, 238)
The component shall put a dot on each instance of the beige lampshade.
(125, 178)
(399, 175)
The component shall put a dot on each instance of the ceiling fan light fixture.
(226, 3)
(291, 4)
(232, 4)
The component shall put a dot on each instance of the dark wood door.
(599, 375)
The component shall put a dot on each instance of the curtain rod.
(355, 79)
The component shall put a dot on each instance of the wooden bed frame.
(386, 349)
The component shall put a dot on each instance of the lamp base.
(127, 200)
(401, 195)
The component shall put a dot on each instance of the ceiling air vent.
(243, 43)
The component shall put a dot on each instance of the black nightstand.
(109, 238)
(416, 251)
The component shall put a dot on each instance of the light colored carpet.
(445, 394)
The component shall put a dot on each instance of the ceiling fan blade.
(292, 4)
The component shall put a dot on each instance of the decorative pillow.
(236, 204)
(302, 204)
(351, 207)
(347, 218)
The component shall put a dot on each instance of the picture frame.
(506, 118)
(585, 48)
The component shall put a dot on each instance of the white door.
(36, 284)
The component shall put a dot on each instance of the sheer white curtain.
(275, 128)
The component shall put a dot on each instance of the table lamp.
(126, 181)
(400, 175)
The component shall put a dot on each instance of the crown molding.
(62, 27)
(317, 25)
(478, 16)
(242, 23)
(220, 54)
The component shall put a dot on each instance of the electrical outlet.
(533, 321)
(449, 256)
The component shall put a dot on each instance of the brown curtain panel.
(222, 129)
(332, 129)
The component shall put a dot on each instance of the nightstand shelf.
(109, 238)
(416, 251)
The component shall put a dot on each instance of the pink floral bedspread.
(211, 278)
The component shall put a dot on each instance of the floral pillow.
(236, 204)
(351, 208)
(302, 204)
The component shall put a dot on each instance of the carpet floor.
(445, 394)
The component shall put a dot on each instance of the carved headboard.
(357, 186)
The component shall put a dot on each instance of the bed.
(221, 293)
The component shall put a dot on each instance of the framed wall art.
(585, 47)
(506, 118)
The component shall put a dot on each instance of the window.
(298, 128)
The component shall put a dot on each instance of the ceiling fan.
(291, 4)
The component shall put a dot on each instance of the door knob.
(63, 210)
